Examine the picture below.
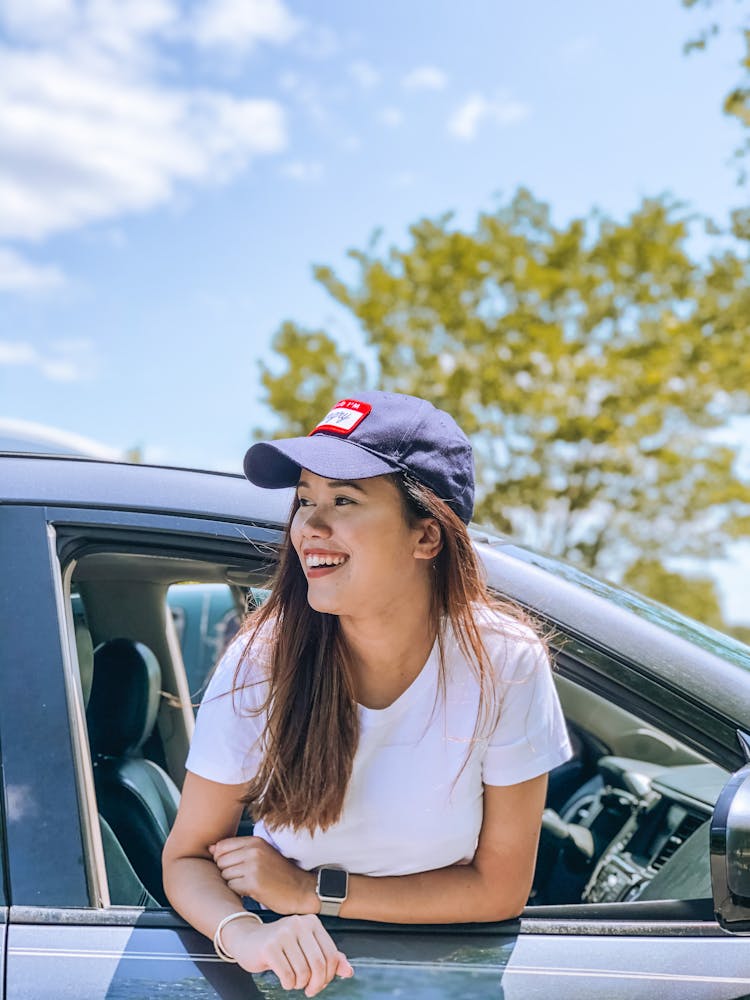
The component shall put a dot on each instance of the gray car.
(642, 885)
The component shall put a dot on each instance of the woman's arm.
(298, 949)
(495, 886)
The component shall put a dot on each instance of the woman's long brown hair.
(312, 727)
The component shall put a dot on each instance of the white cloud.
(425, 78)
(392, 117)
(299, 170)
(364, 75)
(33, 20)
(97, 123)
(16, 352)
(18, 275)
(65, 361)
(91, 30)
(503, 110)
(26, 435)
(241, 24)
(77, 147)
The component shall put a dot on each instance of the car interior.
(627, 818)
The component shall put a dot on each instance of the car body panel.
(122, 962)
(45, 850)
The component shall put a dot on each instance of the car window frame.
(72, 536)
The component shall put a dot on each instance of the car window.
(620, 827)
(145, 640)
(206, 617)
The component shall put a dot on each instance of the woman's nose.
(316, 523)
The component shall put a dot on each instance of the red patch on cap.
(343, 418)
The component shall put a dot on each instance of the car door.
(66, 937)
(63, 937)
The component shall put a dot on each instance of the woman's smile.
(321, 563)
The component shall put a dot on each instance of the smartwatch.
(331, 889)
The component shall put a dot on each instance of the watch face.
(332, 882)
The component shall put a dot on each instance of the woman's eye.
(340, 501)
(303, 501)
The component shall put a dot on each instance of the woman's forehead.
(374, 484)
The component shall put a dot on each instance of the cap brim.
(277, 464)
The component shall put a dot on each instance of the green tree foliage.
(591, 364)
(308, 365)
(737, 101)
(694, 596)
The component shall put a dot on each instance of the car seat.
(135, 796)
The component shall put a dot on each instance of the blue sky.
(170, 171)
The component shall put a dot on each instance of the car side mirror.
(730, 849)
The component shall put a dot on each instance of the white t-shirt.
(405, 810)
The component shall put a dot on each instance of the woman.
(389, 724)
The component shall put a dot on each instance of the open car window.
(627, 818)
(137, 696)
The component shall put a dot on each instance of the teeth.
(320, 560)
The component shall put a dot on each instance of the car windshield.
(665, 617)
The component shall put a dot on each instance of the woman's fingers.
(334, 962)
(280, 964)
(297, 948)
(232, 871)
(322, 965)
(234, 857)
(305, 938)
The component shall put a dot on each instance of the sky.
(170, 172)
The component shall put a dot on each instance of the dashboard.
(635, 831)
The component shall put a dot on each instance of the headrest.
(85, 648)
(124, 697)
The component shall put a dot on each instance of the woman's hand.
(298, 949)
(251, 867)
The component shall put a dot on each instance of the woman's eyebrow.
(335, 484)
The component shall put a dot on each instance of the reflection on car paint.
(699, 634)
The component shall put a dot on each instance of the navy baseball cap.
(373, 435)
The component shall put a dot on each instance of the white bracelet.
(219, 944)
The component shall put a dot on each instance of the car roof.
(75, 481)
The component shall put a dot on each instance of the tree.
(592, 364)
(737, 101)
(694, 596)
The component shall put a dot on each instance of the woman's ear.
(429, 539)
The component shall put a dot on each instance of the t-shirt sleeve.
(531, 736)
(226, 744)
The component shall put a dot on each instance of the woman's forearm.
(459, 894)
(197, 891)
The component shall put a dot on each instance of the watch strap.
(329, 908)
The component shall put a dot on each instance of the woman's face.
(356, 548)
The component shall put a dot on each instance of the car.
(642, 884)
(207, 616)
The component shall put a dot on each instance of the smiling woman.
(389, 724)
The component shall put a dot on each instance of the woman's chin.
(322, 604)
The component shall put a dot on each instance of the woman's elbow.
(503, 909)
(503, 901)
